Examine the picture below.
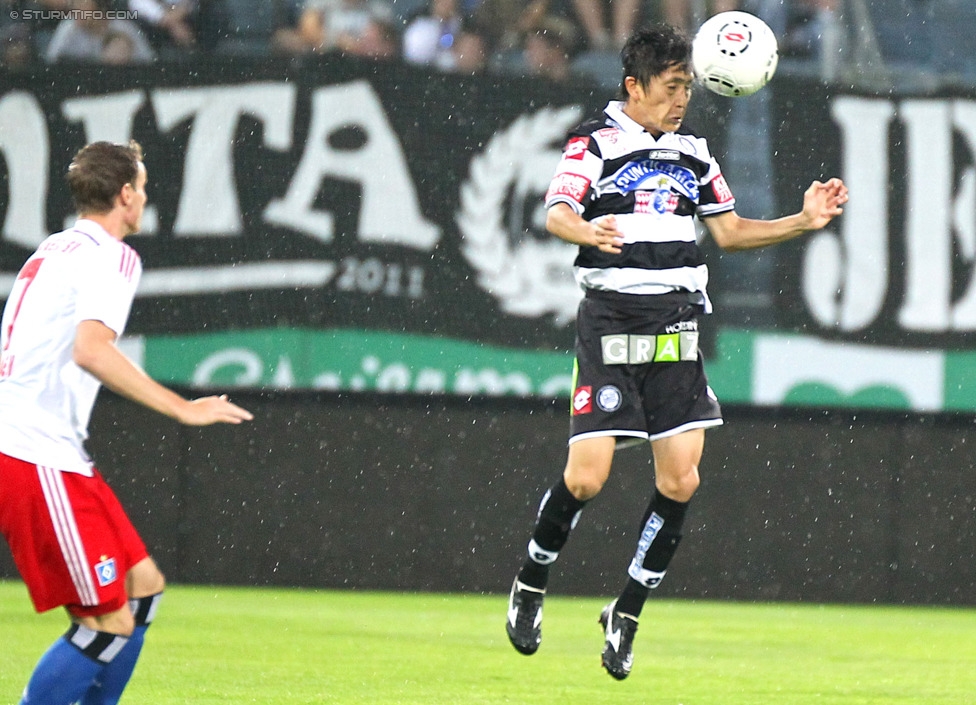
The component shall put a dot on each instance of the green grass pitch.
(284, 646)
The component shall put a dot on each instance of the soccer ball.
(734, 54)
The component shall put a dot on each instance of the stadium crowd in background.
(474, 35)
(98, 38)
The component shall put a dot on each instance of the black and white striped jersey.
(654, 188)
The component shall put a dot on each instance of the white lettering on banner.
(109, 118)
(25, 148)
(931, 232)
(208, 198)
(492, 382)
(248, 361)
(964, 217)
(244, 367)
(237, 277)
(390, 213)
(209, 205)
(845, 279)
(517, 262)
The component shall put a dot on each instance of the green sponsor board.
(775, 369)
(747, 367)
(355, 361)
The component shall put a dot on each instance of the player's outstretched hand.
(211, 410)
(822, 202)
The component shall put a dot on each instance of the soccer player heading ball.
(70, 538)
(626, 191)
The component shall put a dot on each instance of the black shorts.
(639, 373)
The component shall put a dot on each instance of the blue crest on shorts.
(106, 572)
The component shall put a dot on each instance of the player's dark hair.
(651, 51)
(99, 171)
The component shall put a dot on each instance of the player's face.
(660, 105)
(136, 201)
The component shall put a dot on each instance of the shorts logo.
(576, 147)
(583, 400)
(105, 571)
(629, 349)
(608, 398)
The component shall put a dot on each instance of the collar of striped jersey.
(615, 111)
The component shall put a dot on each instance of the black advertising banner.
(897, 269)
(346, 225)
(309, 211)
(329, 193)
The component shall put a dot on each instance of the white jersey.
(45, 398)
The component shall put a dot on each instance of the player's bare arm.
(822, 202)
(96, 353)
(563, 222)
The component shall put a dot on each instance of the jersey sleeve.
(715, 195)
(107, 286)
(579, 168)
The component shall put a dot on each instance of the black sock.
(558, 514)
(660, 535)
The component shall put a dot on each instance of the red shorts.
(70, 538)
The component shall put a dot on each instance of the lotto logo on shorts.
(105, 571)
(583, 401)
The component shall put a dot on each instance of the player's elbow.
(88, 354)
(726, 231)
(84, 356)
(727, 245)
(726, 241)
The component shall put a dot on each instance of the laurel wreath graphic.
(528, 276)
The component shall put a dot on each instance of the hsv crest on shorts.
(106, 571)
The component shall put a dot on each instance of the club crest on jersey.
(649, 174)
(661, 201)
(106, 572)
(583, 400)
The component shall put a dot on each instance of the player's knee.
(584, 486)
(145, 578)
(679, 487)
(120, 622)
(158, 582)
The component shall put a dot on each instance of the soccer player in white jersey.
(71, 540)
(627, 190)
